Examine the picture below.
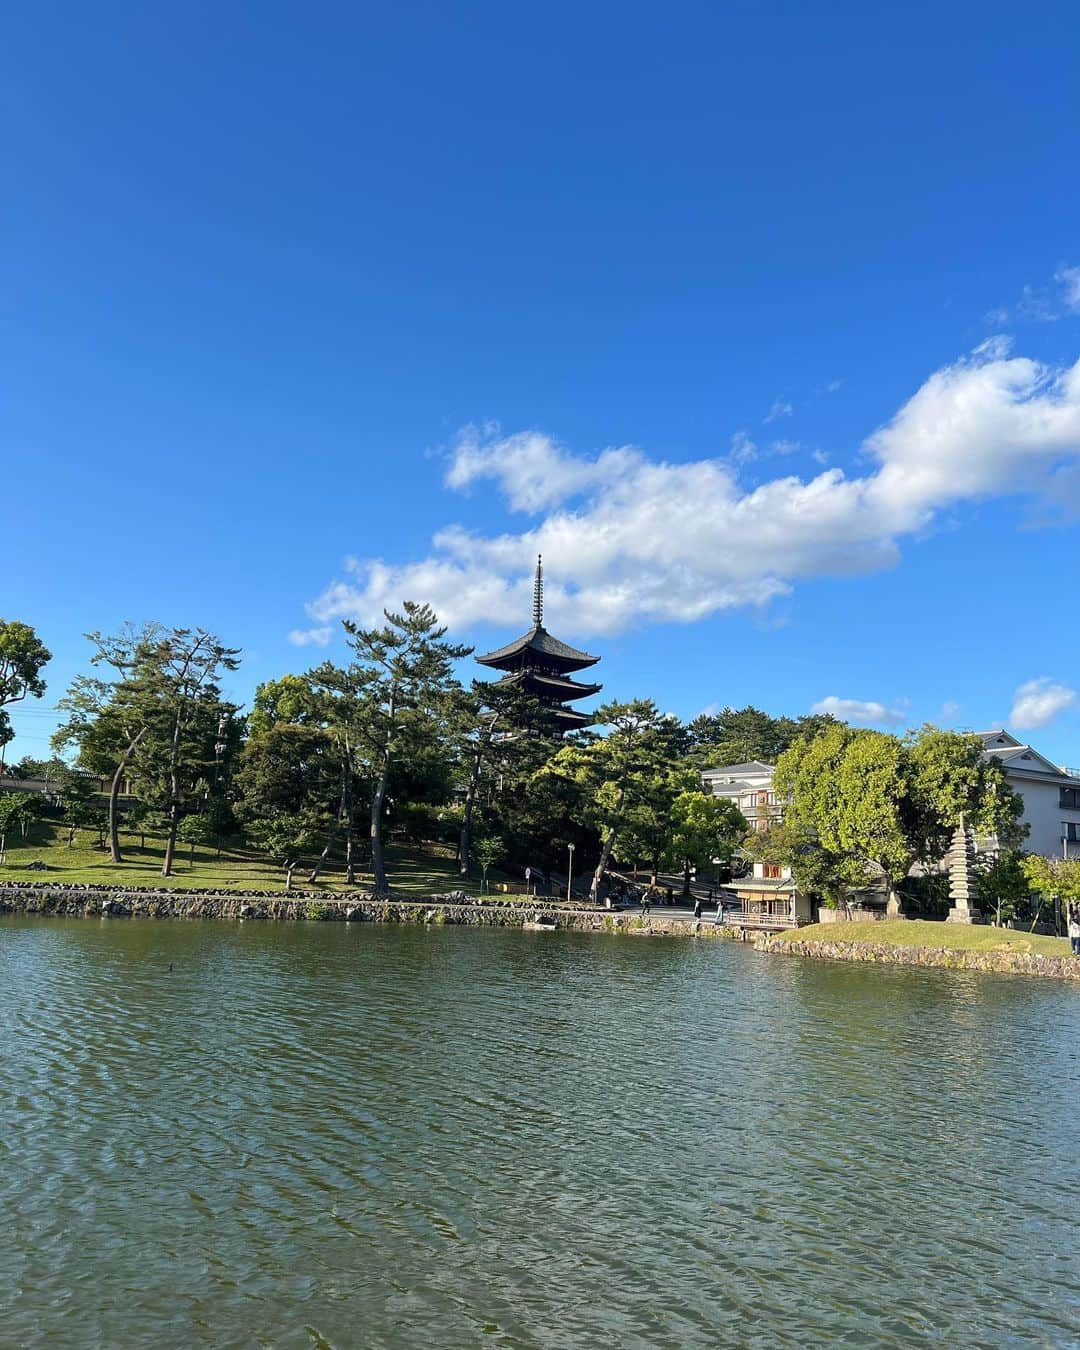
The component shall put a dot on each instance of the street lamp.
(569, 870)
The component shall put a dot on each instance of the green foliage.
(703, 827)
(951, 777)
(402, 684)
(631, 773)
(488, 851)
(53, 771)
(290, 700)
(19, 811)
(1003, 885)
(158, 718)
(873, 804)
(1053, 877)
(736, 736)
(22, 658)
(84, 809)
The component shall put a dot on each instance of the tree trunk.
(350, 865)
(170, 839)
(686, 879)
(319, 862)
(466, 818)
(609, 845)
(114, 793)
(290, 868)
(378, 865)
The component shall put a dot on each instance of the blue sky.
(291, 286)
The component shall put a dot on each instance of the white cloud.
(743, 449)
(628, 540)
(1039, 701)
(865, 712)
(311, 637)
(780, 408)
(950, 710)
(1069, 280)
(1040, 304)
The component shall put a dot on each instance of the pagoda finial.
(538, 592)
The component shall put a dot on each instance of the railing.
(744, 918)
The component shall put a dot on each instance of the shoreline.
(456, 908)
(51, 900)
(879, 953)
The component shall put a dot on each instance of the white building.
(750, 787)
(1051, 794)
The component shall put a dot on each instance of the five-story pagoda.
(541, 665)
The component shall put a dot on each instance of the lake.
(318, 1134)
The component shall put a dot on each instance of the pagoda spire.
(538, 592)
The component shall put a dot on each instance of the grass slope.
(921, 933)
(413, 871)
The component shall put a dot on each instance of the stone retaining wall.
(457, 908)
(1017, 963)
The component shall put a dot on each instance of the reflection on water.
(323, 1135)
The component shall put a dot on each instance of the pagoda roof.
(571, 716)
(539, 641)
(556, 683)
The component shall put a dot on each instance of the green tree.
(739, 735)
(619, 772)
(284, 838)
(290, 699)
(951, 777)
(489, 851)
(185, 715)
(402, 678)
(22, 657)
(84, 809)
(197, 830)
(19, 811)
(704, 827)
(108, 715)
(1003, 885)
(824, 876)
(286, 785)
(54, 772)
(876, 804)
(1056, 880)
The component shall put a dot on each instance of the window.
(1070, 830)
(1070, 798)
(771, 871)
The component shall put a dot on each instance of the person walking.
(697, 907)
(645, 903)
(1074, 928)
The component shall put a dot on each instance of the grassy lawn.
(920, 933)
(413, 871)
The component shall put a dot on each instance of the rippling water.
(313, 1134)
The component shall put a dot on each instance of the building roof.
(724, 788)
(556, 683)
(539, 641)
(752, 768)
(1013, 754)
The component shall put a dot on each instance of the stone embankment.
(84, 901)
(881, 953)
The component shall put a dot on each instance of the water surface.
(329, 1135)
